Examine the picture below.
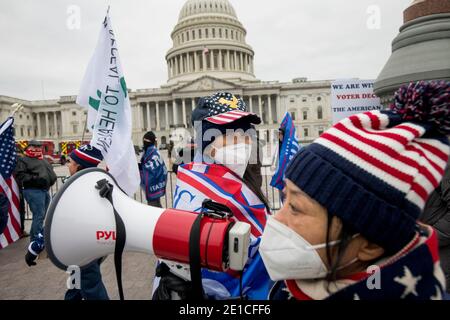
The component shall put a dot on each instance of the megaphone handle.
(195, 260)
(105, 191)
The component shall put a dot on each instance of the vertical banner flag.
(8, 185)
(351, 96)
(288, 149)
(104, 93)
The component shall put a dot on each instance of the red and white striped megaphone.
(80, 227)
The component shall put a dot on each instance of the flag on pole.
(288, 149)
(8, 185)
(104, 93)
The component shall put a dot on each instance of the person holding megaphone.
(226, 139)
(92, 287)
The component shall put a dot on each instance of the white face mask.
(288, 256)
(234, 156)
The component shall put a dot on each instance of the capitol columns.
(139, 116)
(220, 60)
(149, 125)
(174, 112)
(183, 101)
(242, 61)
(166, 110)
(260, 109)
(55, 124)
(278, 107)
(47, 133)
(197, 62)
(38, 121)
(158, 122)
(204, 60)
(251, 103)
(270, 109)
(211, 59)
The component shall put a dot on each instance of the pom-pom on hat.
(375, 170)
(87, 156)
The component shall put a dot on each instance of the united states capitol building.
(209, 54)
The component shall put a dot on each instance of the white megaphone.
(80, 227)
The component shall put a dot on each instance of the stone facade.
(209, 54)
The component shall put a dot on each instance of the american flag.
(8, 185)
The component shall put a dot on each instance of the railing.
(272, 194)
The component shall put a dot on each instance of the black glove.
(170, 283)
(29, 259)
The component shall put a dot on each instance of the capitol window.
(319, 113)
(193, 34)
(305, 115)
(214, 31)
(304, 99)
(199, 33)
(74, 113)
(220, 33)
(305, 132)
(319, 99)
(321, 130)
(206, 33)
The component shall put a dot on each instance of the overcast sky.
(41, 57)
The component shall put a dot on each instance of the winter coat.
(33, 173)
(437, 215)
(153, 174)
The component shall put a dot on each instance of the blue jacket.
(153, 174)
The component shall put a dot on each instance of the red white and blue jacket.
(197, 182)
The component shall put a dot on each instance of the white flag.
(105, 94)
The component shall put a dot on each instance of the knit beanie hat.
(149, 139)
(87, 156)
(222, 111)
(375, 170)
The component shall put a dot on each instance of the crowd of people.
(371, 191)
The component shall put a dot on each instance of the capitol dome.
(196, 7)
(209, 40)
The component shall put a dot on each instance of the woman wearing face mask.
(352, 201)
(225, 138)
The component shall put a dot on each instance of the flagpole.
(84, 129)
(17, 107)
